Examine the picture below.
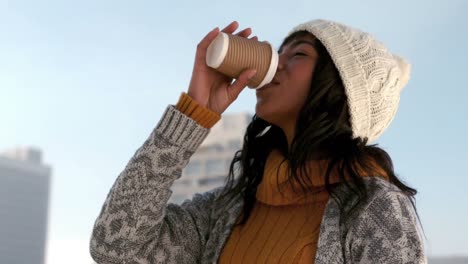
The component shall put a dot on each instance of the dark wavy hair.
(323, 127)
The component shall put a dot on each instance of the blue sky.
(86, 81)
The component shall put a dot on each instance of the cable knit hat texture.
(373, 77)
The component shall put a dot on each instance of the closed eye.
(300, 54)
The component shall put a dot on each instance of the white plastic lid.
(217, 50)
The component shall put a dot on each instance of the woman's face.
(280, 101)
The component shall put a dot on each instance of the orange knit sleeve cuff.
(202, 115)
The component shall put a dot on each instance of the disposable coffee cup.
(231, 55)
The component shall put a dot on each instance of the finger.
(236, 88)
(205, 42)
(245, 33)
(231, 27)
(254, 38)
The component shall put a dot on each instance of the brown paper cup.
(231, 55)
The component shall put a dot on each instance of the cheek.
(301, 82)
(294, 101)
(299, 88)
(302, 74)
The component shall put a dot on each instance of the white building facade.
(209, 166)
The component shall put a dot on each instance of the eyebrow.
(297, 43)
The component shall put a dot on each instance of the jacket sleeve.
(387, 232)
(136, 225)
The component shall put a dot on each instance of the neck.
(289, 130)
(289, 136)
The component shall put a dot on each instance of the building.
(447, 260)
(24, 200)
(209, 166)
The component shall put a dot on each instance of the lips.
(272, 83)
(275, 81)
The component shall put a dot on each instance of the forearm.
(135, 206)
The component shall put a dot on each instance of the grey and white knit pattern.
(137, 225)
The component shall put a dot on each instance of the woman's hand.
(211, 88)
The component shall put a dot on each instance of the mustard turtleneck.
(284, 224)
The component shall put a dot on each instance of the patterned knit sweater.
(137, 225)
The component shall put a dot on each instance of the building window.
(211, 181)
(213, 148)
(183, 182)
(193, 168)
(215, 167)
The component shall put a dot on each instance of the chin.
(265, 114)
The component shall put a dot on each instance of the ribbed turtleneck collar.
(276, 171)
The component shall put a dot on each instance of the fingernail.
(251, 74)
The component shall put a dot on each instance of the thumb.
(236, 88)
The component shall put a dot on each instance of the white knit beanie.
(372, 76)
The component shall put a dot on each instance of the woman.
(306, 186)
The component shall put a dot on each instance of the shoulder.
(386, 202)
(384, 227)
(385, 205)
(378, 190)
